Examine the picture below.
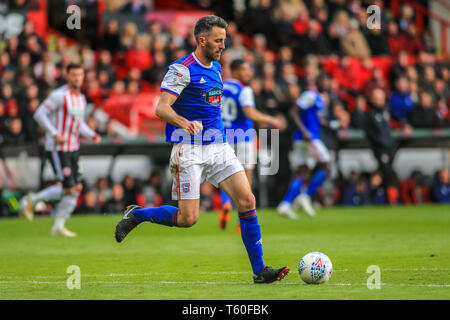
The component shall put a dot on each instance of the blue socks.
(316, 182)
(296, 186)
(225, 197)
(165, 215)
(294, 190)
(251, 236)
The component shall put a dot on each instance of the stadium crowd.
(286, 42)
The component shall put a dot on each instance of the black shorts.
(65, 166)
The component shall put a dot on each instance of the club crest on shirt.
(186, 187)
(213, 96)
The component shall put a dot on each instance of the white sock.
(53, 192)
(66, 205)
(59, 223)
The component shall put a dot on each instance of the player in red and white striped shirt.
(62, 115)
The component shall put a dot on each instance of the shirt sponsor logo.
(213, 96)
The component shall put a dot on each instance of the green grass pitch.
(411, 246)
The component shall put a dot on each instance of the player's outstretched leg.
(134, 215)
(27, 203)
(304, 199)
(285, 209)
(64, 210)
(238, 188)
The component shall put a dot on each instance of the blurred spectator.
(406, 17)
(15, 135)
(116, 203)
(413, 42)
(132, 193)
(104, 81)
(12, 47)
(111, 37)
(287, 77)
(3, 119)
(46, 71)
(92, 123)
(426, 81)
(237, 49)
(128, 35)
(376, 81)
(139, 56)
(358, 115)
(395, 40)
(152, 190)
(156, 73)
(314, 41)
(18, 5)
(414, 190)
(378, 132)
(118, 89)
(377, 42)
(400, 102)
(28, 32)
(443, 112)
(104, 191)
(260, 18)
(286, 33)
(24, 64)
(134, 6)
(357, 194)
(440, 190)
(353, 42)
(342, 115)
(34, 49)
(399, 68)
(110, 132)
(89, 204)
(174, 40)
(31, 129)
(377, 192)
(441, 89)
(424, 115)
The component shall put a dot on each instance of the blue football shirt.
(236, 96)
(199, 90)
(311, 104)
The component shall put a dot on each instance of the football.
(315, 268)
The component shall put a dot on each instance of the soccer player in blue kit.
(190, 103)
(238, 115)
(308, 148)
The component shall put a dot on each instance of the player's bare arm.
(165, 111)
(257, 116)
(294, 113)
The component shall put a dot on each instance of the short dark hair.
(73, 66)
(236, 64)
(206, 24)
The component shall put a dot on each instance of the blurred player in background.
(62, 115)
(308, 149)
(238, 115)
(190, 102)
